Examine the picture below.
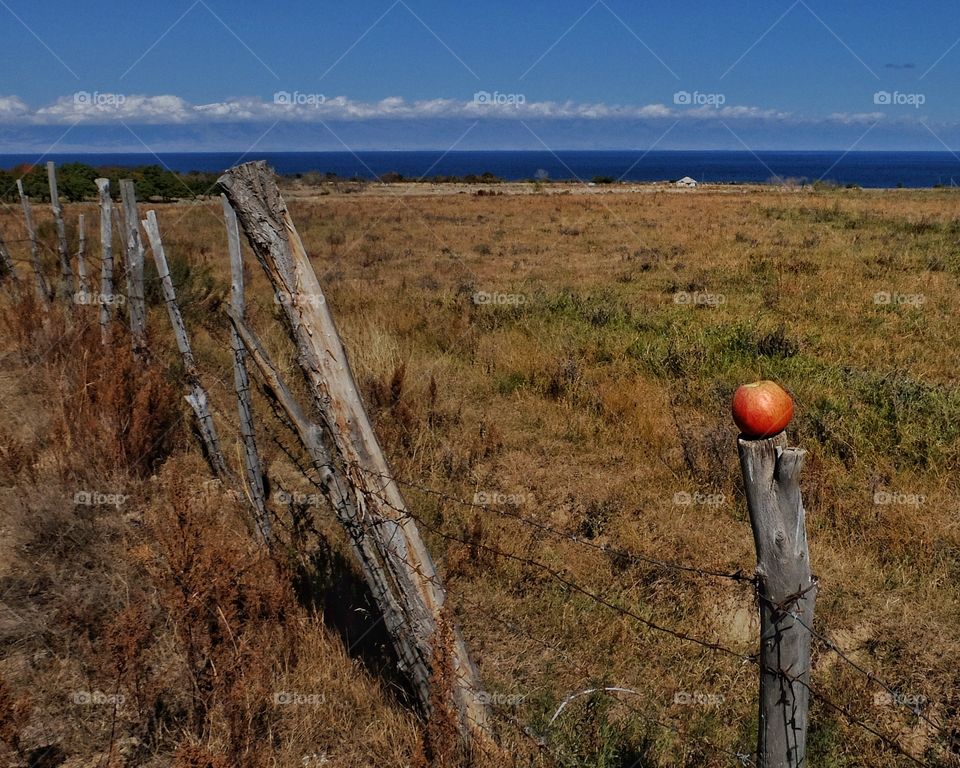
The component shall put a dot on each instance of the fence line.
(542, 567)
(743, 758)
(370, 496)
(783, 606)
(870, 676)
(606, 549)
(561, 578)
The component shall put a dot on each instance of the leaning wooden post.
(62, 248)
(198, 395)
(134, 264)
(336, 489)
(106, 258)
(241, 378)
(787, 592)
(82, 257)
(253, 192)
(42, 288)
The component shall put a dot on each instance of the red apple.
(762, 409)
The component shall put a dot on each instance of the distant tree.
(76, 181)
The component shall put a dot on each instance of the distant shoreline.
(888, 169)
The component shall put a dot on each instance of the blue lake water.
(866, 169)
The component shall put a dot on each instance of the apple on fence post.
(762, 409)
(785, 586)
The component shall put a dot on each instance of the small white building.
(686, 181)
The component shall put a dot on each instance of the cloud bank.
(94, 108)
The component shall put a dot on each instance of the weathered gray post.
(787, 592)
(357, 454)
(241, 378)
(106, 258)
(82, 257)
(198, 395)
(134, 253)
(337, 491)
(62, 248)
(42, 288)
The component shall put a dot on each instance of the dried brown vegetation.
(586, 404)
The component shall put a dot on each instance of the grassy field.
(564, 355)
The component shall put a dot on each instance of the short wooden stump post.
(786, 590)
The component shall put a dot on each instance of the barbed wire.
(737, 576)
(680, 635)
(567, 582)
(743, 758)
(581, 669)
(844, 656)
(850, 716)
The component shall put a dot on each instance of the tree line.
(76, 182)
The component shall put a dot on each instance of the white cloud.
(94, 108)
(12, 107)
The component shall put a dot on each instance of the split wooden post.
(82, 257)
(198, 395)
(420, 596)
(62, 248)
(336, 489)
(134, 263)
(106, 258)
(787, 592)
(42, 288)
(241, 379)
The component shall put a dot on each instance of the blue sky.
(393, 74)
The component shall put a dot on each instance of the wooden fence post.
(198, 395)
(42, 288)
(241, 378)
(787, 592)
(253, 192)
(62, 248)
(82, 256)
(336, 489)
(106, 258)
(134, 264)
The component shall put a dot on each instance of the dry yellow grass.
(590, 395)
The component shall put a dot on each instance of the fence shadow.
(329, 584)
